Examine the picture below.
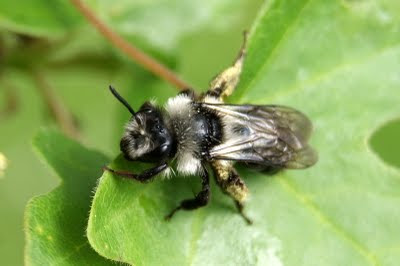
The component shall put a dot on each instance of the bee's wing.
(267, 135)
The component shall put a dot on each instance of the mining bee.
(195, 131)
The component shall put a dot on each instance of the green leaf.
(38, 17)
(162, 24)
(55, 223)
(338, 62)
(341, 68)
(157, 25)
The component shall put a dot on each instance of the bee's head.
(146, 137)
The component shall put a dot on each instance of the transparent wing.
(266, 135)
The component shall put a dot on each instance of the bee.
(195, 132)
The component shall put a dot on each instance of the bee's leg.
(231, 184)
(200, 200)
(188, 92)
(224, 83)
(143, 177)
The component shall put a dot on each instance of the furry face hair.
(136, 141)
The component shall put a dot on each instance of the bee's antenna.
(122, 100)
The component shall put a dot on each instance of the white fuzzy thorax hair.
(180, 114)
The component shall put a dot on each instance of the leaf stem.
(58, 111)
(12, 103)
(133, 52)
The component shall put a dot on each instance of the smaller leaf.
(55, 223)
(127, 224)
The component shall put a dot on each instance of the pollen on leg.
(229, 181)
(238, 191)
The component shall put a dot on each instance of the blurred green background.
(46, 46)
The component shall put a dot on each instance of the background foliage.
(336, 61)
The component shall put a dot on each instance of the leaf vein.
(321, 217)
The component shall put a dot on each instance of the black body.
(208, 129)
